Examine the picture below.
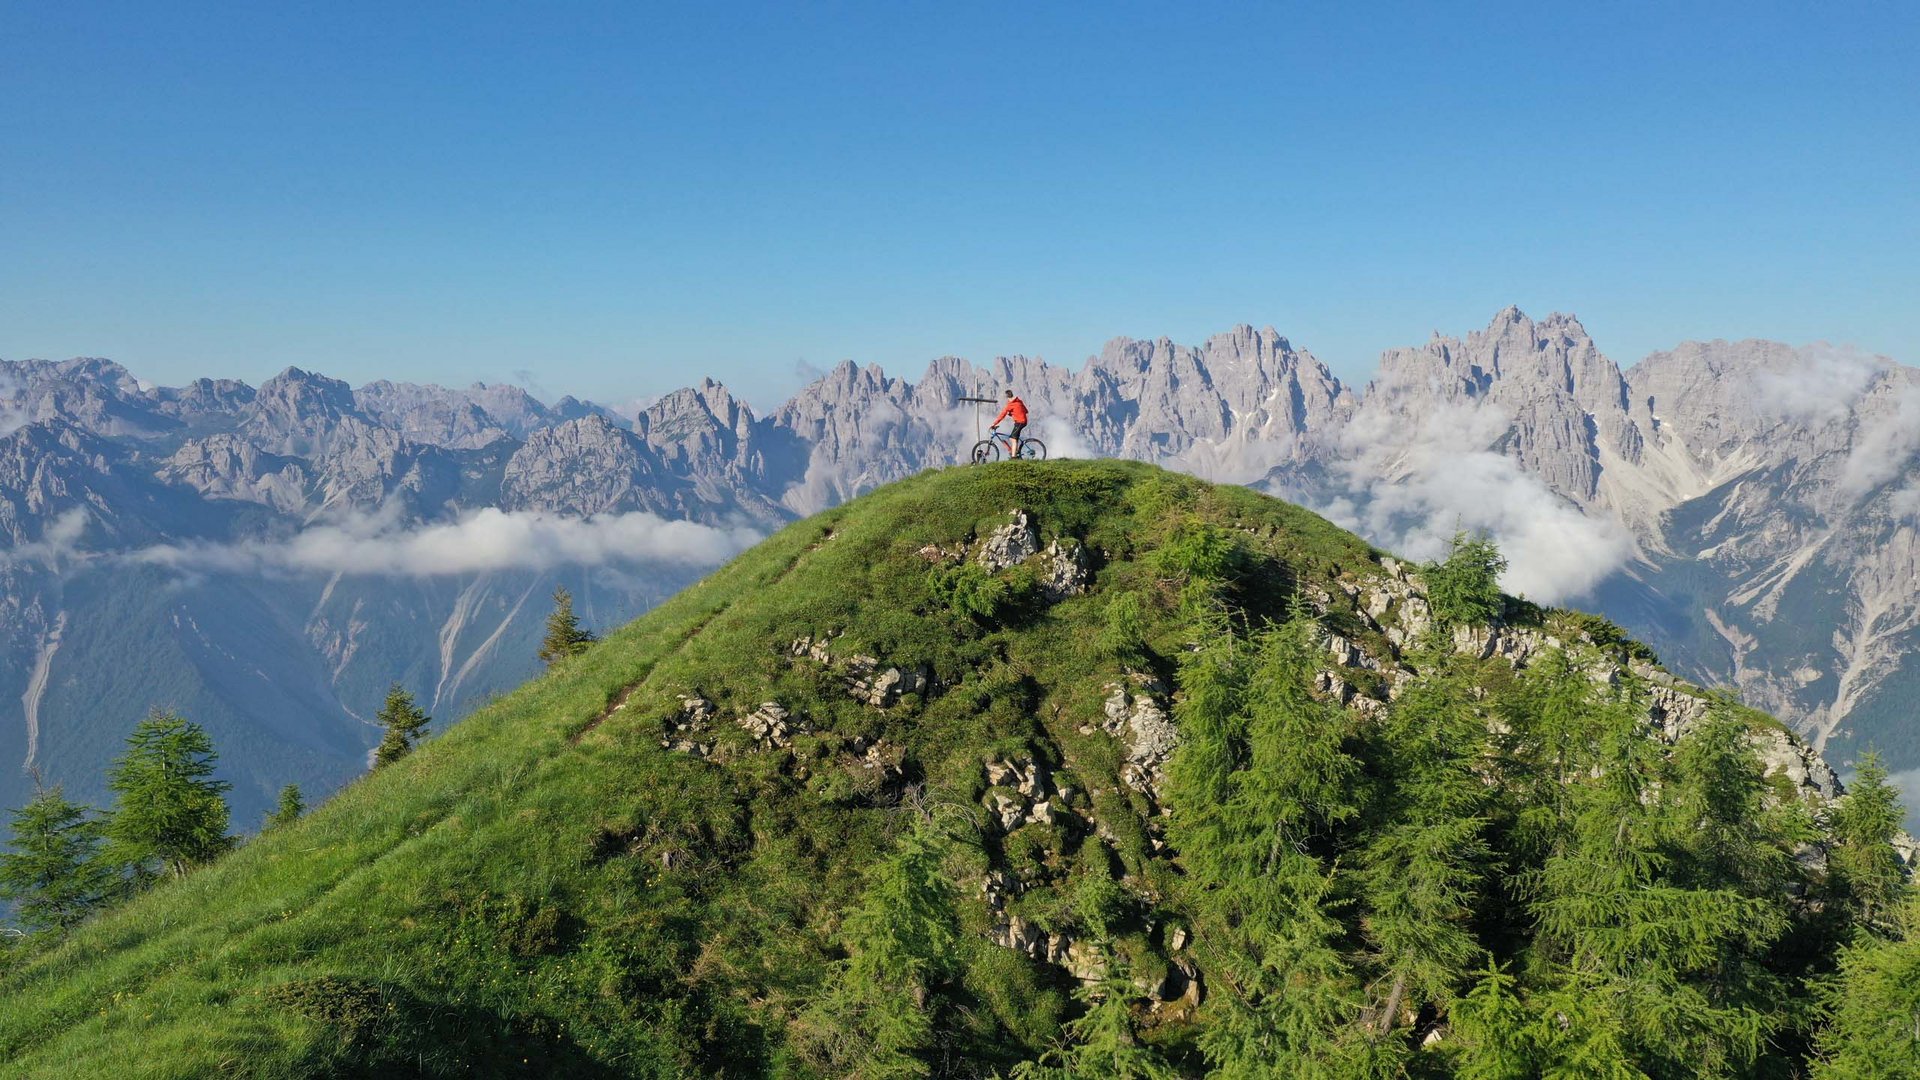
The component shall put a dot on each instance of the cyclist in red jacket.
(1015, 410)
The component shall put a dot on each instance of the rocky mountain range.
(269, 559)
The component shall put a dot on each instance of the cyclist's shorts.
(1014, 433)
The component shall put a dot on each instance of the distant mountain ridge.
(1747, 508)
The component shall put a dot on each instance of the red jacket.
(1014, 408)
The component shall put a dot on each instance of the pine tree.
(289, 809)
(54, 873)
(1423, 871)
(1102, 1043)
(404, 723)
(1647, 975)
(1464, 588)
(1863, 864)
(874, 1018)
(170, 813)
(1871, 1007)
(565, 636)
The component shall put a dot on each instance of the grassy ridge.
(413, 885)
(546, 890)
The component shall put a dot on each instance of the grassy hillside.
(593, 877)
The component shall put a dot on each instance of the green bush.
(1123, 633)
(1464, 588)
(1198, 549)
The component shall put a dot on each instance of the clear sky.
(621, 197)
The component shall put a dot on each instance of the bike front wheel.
(1033, 450)
(984, 451)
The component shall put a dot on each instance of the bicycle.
(998, 443)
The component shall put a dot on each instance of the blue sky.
(622, 197)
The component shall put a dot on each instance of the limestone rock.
(1066, 572)
(1010, 544)
(1136, 713)
(772, 726)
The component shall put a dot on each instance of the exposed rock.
(1066, 572)
(1136, 714)
(696, 713)
(772, 726)
(867, 682)
(1010, 544)
(934, 553)
(1348, 653)
(811, 648)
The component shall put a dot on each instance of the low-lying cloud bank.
(1410, 486)
(485, 540)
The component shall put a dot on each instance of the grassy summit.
(860, 804)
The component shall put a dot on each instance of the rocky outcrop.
(1136, 714)
(772, 726)
(1065, 572)
(867, 679)
(1009, 545)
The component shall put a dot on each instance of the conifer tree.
(1491, 1036)
(1464, 588)
(874, 1019)
(1102, 1043)
(289, 808)
(1871, 1007)
(54, 873)
(404, 722)
(1863, 864)
(565, 636)
(1422, 872)
(1636, 963)
(1259, 778)
(170, 813)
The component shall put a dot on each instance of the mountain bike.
(999, 444)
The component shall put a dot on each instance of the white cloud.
(1824, 382)
(60, 541)
(1885, 441)
(1414, 483)
(1905, 503)
(488, 539)
(1062, 440)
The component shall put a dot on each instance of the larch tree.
(1423, 871)
(874, 1018)
(565, 636)
(288, 809)
(1635, 961)
(403, 721)
(53, 872)
(1865, 868)
(1102, 1043)
(170, 813)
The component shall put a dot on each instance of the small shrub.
(968, 590)
(1123, 636)
(1197, 549)
(351, 1007)
(1601, 631)
(1101, 904)
(1464, 588)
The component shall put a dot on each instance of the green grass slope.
(547, 889)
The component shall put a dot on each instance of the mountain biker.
(1015, 410)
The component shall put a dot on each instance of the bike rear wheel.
(1033, 450)
(984, 451)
